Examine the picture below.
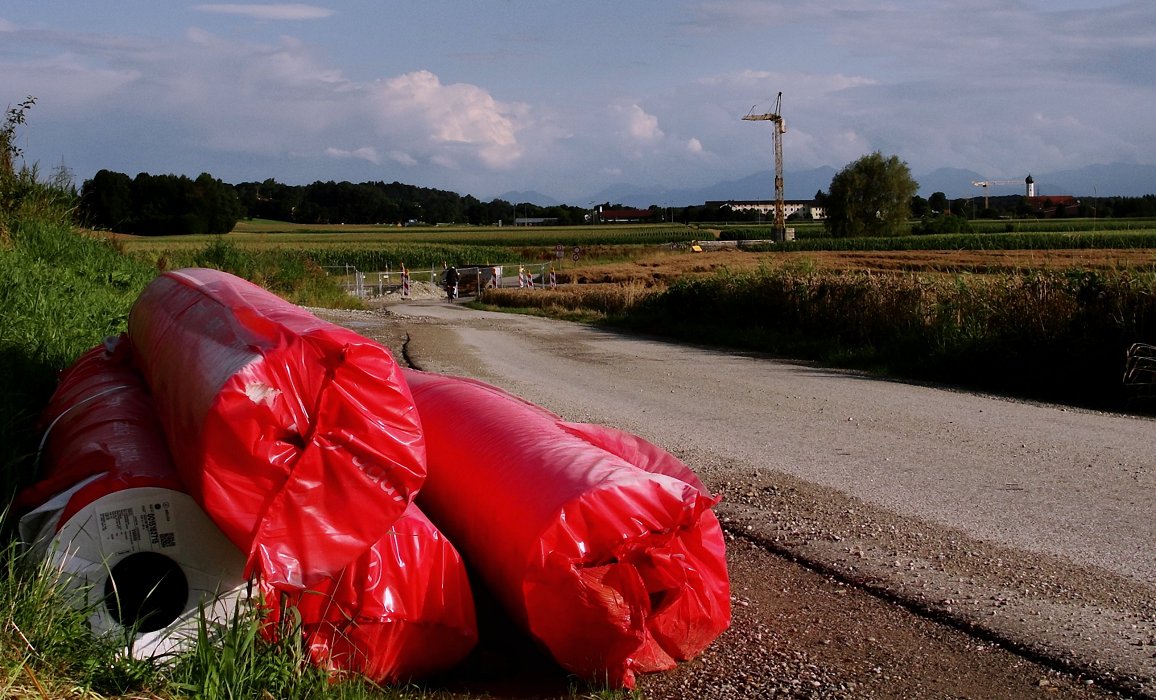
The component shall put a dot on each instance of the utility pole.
(780, 127)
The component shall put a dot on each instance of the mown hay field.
(662, 267)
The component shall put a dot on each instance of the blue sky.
(566, 98)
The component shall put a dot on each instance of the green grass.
(235, 660)
(377, 248)
(260, 233)
(60, 294)
(46, 648)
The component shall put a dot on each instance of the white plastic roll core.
(146, 561)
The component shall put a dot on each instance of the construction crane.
(987, 183)
(780, 128)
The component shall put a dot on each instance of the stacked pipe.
(600, 544)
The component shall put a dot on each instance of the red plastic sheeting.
(100, 423)
(297, 436)
(401, 611)
(601, 544)
(111, 515)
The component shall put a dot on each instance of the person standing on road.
(452, 282)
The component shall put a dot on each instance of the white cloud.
(637, 124)
(288, 11)
(67, 80)
(446, 121)
(402, 157)
(694, 145)
(366, 153)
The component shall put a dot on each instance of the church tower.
(1031, 184)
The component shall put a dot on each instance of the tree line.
(396, 203)
(873, 196)
(174, 205)
(391, 203)
(158, 204)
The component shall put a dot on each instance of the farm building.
(606, 215)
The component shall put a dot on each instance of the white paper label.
(142, 527)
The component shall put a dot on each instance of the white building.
(806, 207)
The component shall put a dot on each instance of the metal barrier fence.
(472, 280)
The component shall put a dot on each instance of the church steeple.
(1031, 185)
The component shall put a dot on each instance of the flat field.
(664, 266)
(656, 254)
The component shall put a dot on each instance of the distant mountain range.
(1116, 179)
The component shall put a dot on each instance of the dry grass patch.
(598, 300)
(662, 268)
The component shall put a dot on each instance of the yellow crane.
(987, 183)
(780, 128)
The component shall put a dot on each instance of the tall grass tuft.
(292, 274)
(46, 647)
(234, 661)
(1049, 335)
(585, 302)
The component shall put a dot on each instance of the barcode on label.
(139, 528)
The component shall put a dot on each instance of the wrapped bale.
(601, 545)
(297, 436)
(401, 611)
(112, 515)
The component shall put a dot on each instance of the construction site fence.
(471, 279)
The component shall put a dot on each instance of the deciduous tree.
(870, 197)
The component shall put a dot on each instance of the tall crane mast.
(780, 128)
(986, 183)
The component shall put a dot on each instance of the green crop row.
(248, 234)
(1145, 238)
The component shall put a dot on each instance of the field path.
(1032, 526)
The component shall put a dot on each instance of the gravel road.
(885, 539)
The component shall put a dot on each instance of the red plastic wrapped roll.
(287, 429)
(601, 544)
(399, 612)
(101, 422)
(112, 516)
